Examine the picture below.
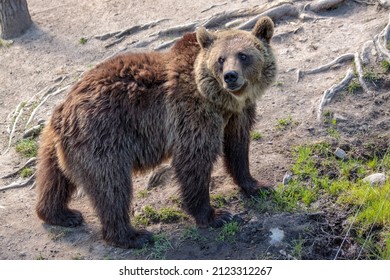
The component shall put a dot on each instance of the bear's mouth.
(236, 89)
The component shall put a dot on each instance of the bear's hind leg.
(54, 190)
(110, 194)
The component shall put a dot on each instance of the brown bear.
(193, 103)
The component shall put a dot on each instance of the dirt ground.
(51, 54)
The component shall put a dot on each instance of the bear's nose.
(230, 77)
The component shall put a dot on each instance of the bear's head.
(237, 64)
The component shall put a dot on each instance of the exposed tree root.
(166, 45)
(19, 184)
(359, 70)
(58, 91)
(128, 31)
(18, 112)
(137, 28)
(15, 117)
(32, 161)
(113, 43)
(319, 5)
(106, 36)
(179, 29)
(276, 13)
(213, 6)
(339, 60)
(331, 92)
(381, 42)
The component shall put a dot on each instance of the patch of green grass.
(164, 215)
(143, 194)
(354, 86)
(27, 147)
(328, 115)
(375, 204)
(384, 163)
(26, 172)
(385, 64)
(304, 166)
(370, 76)
(192, 233)
(294, 196)
(335, 187)
(229, 232)
(351, 170)
(372, 222)
(373, 163)
(284, 123)
(298, 246)
(317, 173)
(255, 135)
(83, 41)
(161, 246)
(333, 132)
(388, 46)
(217, 200)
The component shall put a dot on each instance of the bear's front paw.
(253, 187)
(217, 218)
(134, 239)
(64, 217)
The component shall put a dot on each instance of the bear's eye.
(242, 56)
(221, 60)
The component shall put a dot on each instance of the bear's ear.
(264, 29)
(205, 38)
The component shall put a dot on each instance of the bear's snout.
(233, 81)
(230, 77)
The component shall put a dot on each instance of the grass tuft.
(27, 147)
(164, 215)
(284, 123)
(255, 135)
(229, 232)
(83, 41)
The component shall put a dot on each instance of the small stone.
(341, 154)
(277, 236)
(376, 179)
(340, 118)
(287, 178)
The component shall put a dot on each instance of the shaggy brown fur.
(132, 112)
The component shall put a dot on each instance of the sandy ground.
(51, 54)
